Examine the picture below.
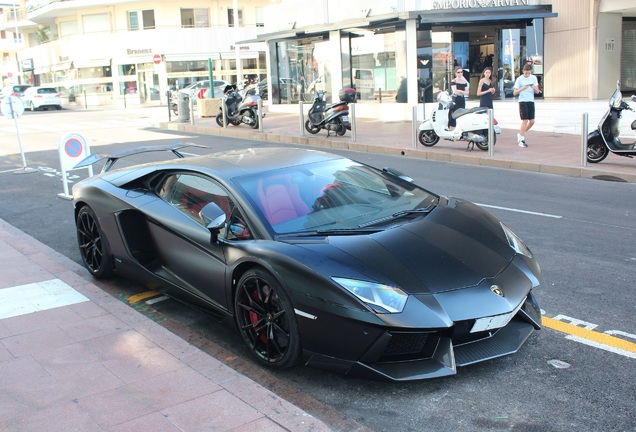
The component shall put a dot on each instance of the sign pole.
(13, 108)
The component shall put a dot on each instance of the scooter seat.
(462, 111)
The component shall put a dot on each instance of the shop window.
(378, 65)
(198, 17)
(128, 69)
(303, 67)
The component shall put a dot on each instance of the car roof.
(231, 164)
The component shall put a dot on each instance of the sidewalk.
(74, 358)
(547, 152)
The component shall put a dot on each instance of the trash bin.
(184, 107)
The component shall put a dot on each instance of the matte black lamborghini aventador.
(318, 259)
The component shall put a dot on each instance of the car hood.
(456, 246)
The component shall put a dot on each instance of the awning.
(484, 15)
(60, 66)
(91, 63)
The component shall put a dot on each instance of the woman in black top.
(460, 91)
(485, 89)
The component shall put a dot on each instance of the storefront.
(409, 57)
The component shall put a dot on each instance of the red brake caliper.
(254, 317)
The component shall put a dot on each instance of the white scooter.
(472, 125)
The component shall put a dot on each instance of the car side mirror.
(214, 219)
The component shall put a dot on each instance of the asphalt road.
(582, 231)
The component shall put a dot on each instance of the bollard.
(491, 134)
(414, 126)
(302, 119)
(260, 115)
(192, 111)
(353, 122)
(169, 112)
(584, 141)
(184, 108)
(224, 111)
(86, 101)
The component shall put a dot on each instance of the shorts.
(526, 110)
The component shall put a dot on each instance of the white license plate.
(495, 321)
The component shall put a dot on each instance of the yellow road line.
(592, 335)
(144, 295)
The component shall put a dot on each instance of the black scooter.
(605, 139)
(334, 117)
(239, 108)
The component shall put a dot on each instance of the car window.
(47, 90)
(189, 193)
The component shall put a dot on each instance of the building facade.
(404, 52)
(131, 52)
(397, 53)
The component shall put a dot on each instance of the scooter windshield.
(615, 100)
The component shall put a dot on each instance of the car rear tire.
(266, 320)
(92, 244)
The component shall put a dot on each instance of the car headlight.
(383, 298)
(515, 242)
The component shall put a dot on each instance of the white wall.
(609, 54)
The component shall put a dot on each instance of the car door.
(189, 257)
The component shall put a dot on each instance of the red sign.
(201, 94)
(156, 59)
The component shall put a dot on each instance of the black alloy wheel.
(92, 245)
(428, 138)
(266, 320)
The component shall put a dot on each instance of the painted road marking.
(593, 338)
(521, 211)
(142, 296)
(35, 297)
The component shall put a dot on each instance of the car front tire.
(266, 320)
(92, 244)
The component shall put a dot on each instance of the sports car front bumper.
(405, 356)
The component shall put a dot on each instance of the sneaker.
(522, 143)
(519, 138)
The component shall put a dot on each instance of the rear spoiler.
(114, 157)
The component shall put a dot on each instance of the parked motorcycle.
(240, 107)
(472, 125)
(334, 117)
(605, 138)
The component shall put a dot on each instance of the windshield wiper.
(330, 231)
(412, 211)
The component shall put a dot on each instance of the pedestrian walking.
(460, 88)
(526, 86)
(485, 88)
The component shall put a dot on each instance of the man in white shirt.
(525, 88)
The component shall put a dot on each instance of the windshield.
(615, 100)
(332, 195)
